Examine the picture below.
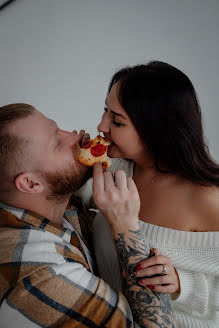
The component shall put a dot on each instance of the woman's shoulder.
(206, 204)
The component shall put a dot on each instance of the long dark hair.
(163, 106)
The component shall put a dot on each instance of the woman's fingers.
(168, 289)
(121, 180)
(81, 133)
(158, 273)
(155, 252)
(151, 271)
(131, 185)
(159, 280)
(154, 260)
(84, 138)
(109, 184)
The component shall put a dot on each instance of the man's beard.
(64, 184)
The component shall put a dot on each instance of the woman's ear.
(29, 183)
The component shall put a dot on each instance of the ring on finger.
(164, 271)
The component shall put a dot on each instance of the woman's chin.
(113, 152)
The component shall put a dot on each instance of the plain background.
(59, 55)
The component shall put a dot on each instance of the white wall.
(59, 55)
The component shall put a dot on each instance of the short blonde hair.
(11, 146)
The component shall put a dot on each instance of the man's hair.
(11, 146)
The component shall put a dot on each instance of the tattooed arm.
(149, 308)
(119, 202)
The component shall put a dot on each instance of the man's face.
(53, 153)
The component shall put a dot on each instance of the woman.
(153, 119)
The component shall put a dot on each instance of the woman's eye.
(117, 123)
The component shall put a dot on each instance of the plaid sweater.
(46, 279)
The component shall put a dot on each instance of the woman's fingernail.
(139, 267)
(150, 286)
(141, 282)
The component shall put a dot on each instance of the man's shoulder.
(33, 242)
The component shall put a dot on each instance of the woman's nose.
(103, 125)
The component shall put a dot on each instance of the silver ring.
(164, 271)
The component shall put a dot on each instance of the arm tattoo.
(149, 308)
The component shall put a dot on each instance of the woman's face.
(117, 127)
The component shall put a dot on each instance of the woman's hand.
(117, 198)
(84, 137)
(166, 279)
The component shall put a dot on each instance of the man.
(46, 271)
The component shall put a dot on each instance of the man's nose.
(71, 137)
(75, 138)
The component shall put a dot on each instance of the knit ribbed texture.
(197, 266)
(195, 255)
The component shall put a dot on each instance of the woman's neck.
(145, 177)
(144, 169)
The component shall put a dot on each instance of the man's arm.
(64, 295)
(149, 308)
(119, 202)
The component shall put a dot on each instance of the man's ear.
(29, 183)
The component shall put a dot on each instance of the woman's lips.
(110, 147)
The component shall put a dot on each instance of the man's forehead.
(34, 123)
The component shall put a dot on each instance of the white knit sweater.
(195, 256)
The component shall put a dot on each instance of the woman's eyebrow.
(115, 113)
(118, 114)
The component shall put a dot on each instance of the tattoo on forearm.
(149, 308)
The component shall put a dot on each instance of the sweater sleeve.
(199, 291)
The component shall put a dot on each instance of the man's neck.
(53, 210)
